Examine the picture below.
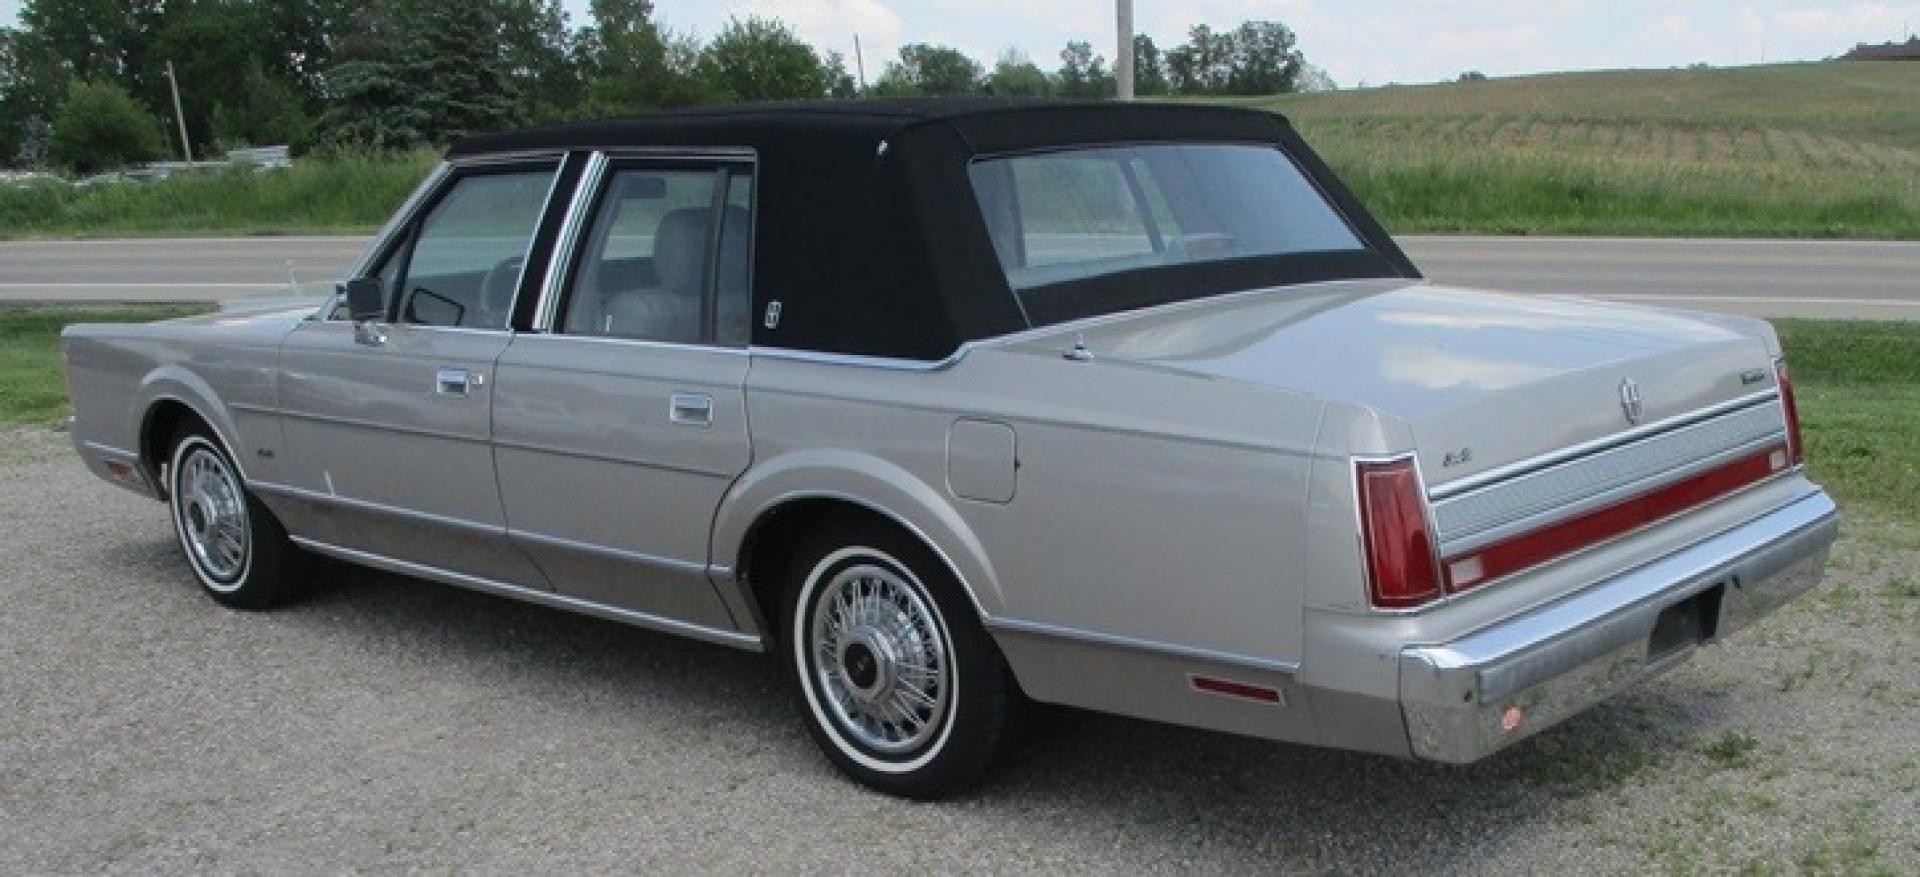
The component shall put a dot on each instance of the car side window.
(460, 264)
(646, 268)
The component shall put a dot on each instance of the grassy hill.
(1802, 150)
(1790, 150)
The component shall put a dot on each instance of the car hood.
(1500, 376)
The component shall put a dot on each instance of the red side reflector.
(1795, 449)
(1230, 688)
(1401, 568)
(1591, 528)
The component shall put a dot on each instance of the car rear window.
(1075, 214)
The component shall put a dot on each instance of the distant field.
(1794, 150)
(1790, 150)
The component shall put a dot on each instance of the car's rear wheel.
(238, 551)
(898, 682)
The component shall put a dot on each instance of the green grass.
(1858, 389)
(340, 194)
(1790, 150)
(33, 387)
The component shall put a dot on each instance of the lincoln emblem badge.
(1630, 400)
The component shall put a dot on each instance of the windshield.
(1077, 214)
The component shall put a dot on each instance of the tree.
(1473, 76)
(840, 83)
(214, 45)
(453, 62)
(263, 110)
(1149, 69)
(1015, 75)
(538, 55)
(1199, 66)
(762, 59)
(927, 69)
(1083, 74)
(1262, 59)
(1258, 57)
(369, 99)
(1317, 79)
(100, 126)
(632, 64)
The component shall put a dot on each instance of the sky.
(1358, 42)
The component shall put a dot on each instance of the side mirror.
(366, 300)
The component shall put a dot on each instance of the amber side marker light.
(1402, 571)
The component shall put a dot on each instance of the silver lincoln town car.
(953, 405)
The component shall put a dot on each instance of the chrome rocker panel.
(1566, 656)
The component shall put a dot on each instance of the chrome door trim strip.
(620, 554)
(1561, 455)
(533, 448)
(735, 639)
(379, 508)
(385, 427)
(1118, 641)
(560, 258)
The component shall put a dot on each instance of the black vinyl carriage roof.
(866, 228)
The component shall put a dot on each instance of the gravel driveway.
(388, 724)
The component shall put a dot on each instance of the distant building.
(1907, 51)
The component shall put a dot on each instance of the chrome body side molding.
(735, 639)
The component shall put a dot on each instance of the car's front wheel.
(898, 681)
(238, 551)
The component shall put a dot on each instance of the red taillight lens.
(1795, 449)
(1401, 568)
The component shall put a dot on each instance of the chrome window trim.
(515, 157)
(566, 246)
(560, 261)
(1561, 455)
(745, 641)
(687, 346)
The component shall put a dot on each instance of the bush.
(100, 127)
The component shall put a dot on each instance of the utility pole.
(1123, 56)
(859, 65)
(178, 116)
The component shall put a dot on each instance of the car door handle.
(457, 381)
(691, 409)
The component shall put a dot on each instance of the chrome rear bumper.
(1465, 699)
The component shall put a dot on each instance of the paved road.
(1861, 279)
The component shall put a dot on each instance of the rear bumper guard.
(1466, 699)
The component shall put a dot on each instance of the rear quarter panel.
(1148, 505)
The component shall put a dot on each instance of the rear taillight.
(1795, 449)
(1402, 570)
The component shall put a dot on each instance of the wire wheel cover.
(880, 663)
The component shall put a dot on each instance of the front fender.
(171, 382)
(867, 481)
